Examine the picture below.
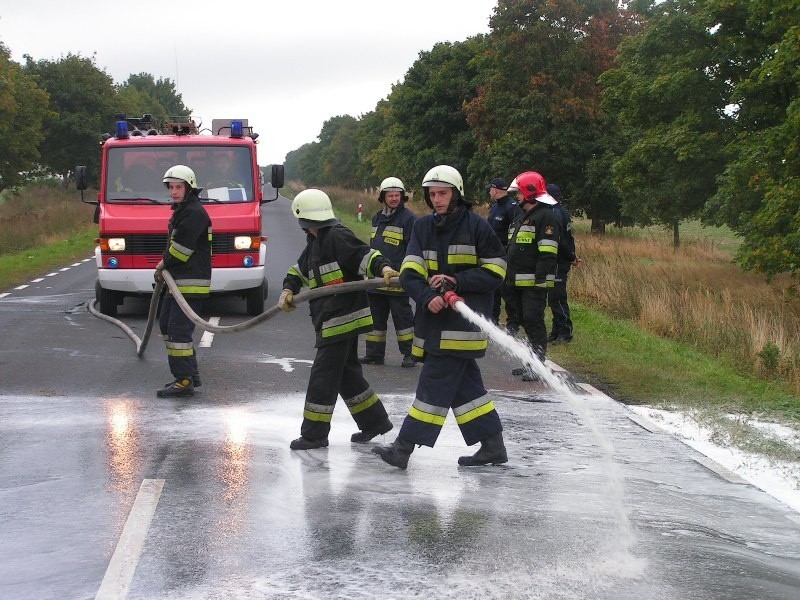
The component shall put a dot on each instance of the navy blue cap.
(499, 183)
(554, 191)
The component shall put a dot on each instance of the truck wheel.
(256, 298)
(107, 299)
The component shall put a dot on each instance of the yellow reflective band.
(463, 344)
(315, 416)
(194, 289)
(176, 352)
(332, 276)
(495, 269)
(462, 259)
(476, 412)
(411, 265)
(346, 327)
(433, 265)
(376, 337)
(403, 338)
(178, 254)
(548, 249)
(417, 414)
(363, 405)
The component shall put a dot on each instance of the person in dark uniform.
(453, 256)
(333, 254)
(391, 230)
(532, 249)
(561, 331)
(188, 260)
(502, 214)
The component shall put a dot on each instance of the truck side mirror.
(81, 177)
(276, 176)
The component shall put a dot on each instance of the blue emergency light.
(248, 261)
(122, 130)
(112, 263)
(237, 130)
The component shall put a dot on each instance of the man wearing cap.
(502, 214)
(557, 297)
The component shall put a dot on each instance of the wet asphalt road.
(590, 505)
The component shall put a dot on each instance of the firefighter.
(561, 331)
(188, 260)
(456, 252)
(333, 254)
(532, 250)
(391, 230)
(502, 214)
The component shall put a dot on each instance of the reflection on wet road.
(241, 516)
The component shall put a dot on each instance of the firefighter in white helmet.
(333, 255)
(391, 231)
(188, 260)
(453, 256)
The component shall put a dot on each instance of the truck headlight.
(242, 242)
(116, 244)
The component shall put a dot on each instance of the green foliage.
(81, 101)
(770, 356)
(141, 94)
(669, 101)
(23, 106)
(538, 101)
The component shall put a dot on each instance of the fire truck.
(133, 205)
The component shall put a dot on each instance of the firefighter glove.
(157, 275)
(285, 301)
(388, 273)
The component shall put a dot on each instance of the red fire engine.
(133, 206)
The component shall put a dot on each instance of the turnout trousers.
(531, 303)
(557, 300)
(506, 294)
(381, 305)
(177, 330)
(450, 382)
(336, 371)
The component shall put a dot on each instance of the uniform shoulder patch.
(548, 230)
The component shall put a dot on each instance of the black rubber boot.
(369, 360)
(302, 443)
(196, 381)
(397, 453)
(362, 437)
(178, 388)
(492, 450)
(408, 362)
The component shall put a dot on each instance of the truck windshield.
(136, 174)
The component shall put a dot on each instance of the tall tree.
(537, 105)
(669, 99)
(759, 192)
(428, 121)
(81, 101)
(142, 93)
(23, 107)
(339, 150)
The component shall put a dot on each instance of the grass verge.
(18, 267)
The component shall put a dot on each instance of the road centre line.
(123, 562)
(208, 337)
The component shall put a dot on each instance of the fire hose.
(169, 282)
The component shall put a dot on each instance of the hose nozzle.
(451, 298)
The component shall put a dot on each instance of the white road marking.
(51, 274)
(21, 287)
(123, 563)
(87, 259)
(76, 264)
(37, 280)
(4, 294)
(208, 337)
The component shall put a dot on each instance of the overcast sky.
(287, 65)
